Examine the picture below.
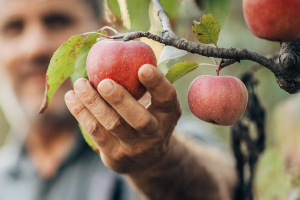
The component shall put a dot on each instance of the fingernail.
(80, 85)
(70, 96)
(106, 86)
(147, 71)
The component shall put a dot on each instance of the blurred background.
(273, 180)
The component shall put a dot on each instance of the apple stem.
(108, 37)
(110, 28)
(219, 67)
(213, 59)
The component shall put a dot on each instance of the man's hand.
(130, 137)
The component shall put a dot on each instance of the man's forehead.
(9, 6)
(34, 1)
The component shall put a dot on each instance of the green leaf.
(88, 140)
(114, 7)
(68, 60)
(133, 13)
(61, 67)
(171, 7)
(169, 53)
(138, 11)
(80, 64)
(207, 30)
(219, 8)
(179, 70)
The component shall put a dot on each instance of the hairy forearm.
(187, 171)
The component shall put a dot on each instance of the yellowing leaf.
(207, 30)
(179, 70)
(80, 63)
(61, 67)
(68, 60)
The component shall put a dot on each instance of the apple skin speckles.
(119, 61)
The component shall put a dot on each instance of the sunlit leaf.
(171, 7)
(138, 11)
(80, 64)
(68, 60)
(61, 67)
(179, 70)
(114, 7)
(169, 53)
(207, 30)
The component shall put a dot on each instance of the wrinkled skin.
(129, 136)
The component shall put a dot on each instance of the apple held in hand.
(218, 100)
(275, 20)
(119, 61)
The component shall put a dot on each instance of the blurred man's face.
(30, 31)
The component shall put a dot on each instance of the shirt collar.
(15, 156)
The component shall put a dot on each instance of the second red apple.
(219, 100)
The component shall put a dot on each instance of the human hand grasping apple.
(130, 137)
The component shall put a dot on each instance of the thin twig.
(231, 54)
(162, 15)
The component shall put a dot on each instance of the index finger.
(162, 91)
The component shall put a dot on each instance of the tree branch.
(286, 68)
(231, 55)
(162, 15)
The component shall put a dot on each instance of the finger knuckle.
(167, 102)
(171, 97)
(142, 123)
(93, 128)
(118, 101)
(114, 125)
(78, 110)
(91, 100)
(155, 83)
(146, 125)
(120, 156)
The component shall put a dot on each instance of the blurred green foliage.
(4, 127)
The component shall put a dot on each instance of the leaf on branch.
(80, 63)
(179, 70)
(207, 30)
(61, 67)
(68, 60)
(169, 53)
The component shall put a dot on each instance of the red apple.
(119, 61)
(275, 20)
(218, 100)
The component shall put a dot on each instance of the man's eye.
(57, 21)
(12, 28)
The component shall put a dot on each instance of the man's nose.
(36, 43)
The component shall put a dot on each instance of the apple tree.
(184, 33)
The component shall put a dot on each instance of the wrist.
(168, 161)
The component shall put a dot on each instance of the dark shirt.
(82, 175)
